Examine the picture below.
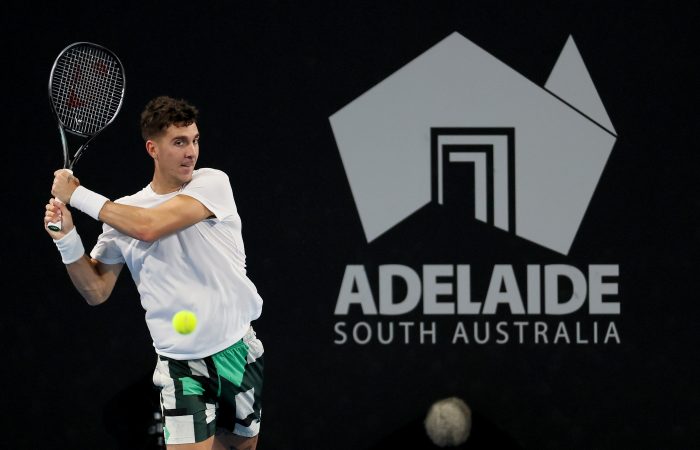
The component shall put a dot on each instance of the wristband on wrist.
(88, 201)
(70, 246)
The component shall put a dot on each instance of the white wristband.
(70, 246)
(88, 201)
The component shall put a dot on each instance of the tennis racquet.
(86, 89)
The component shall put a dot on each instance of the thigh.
(208, 444)
(240, 374)
(230, 441)
(188, 400)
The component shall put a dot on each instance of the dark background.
(266, 76)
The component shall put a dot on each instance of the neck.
(160, 186)
(161, 190)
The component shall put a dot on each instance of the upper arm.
(175, 214)
(107, 272)
(93, 279)
(107, 275)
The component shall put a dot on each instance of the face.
(175, 153)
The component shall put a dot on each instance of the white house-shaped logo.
(537, 153)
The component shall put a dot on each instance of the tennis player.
(180, 237)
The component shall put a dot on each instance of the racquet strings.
(86, 89)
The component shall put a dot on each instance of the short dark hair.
(163, 111)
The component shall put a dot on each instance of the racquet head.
(86, 88)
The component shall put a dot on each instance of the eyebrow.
(196, 136)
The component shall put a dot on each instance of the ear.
(151, 149)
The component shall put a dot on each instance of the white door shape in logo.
(537, 153)
(491, 153)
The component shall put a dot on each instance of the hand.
(64, 184)
(58, 212)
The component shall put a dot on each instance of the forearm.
(145, 224)
(93, 279)
(138, 223)
(133, 221)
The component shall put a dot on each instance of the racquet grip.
(57, 226)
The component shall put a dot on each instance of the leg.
(204, 445)
(240, 370)
(187, 403)
(229, 441)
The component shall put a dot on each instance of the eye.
(178, 142)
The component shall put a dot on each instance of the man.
(180, 237)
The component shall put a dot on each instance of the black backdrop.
(267, 75)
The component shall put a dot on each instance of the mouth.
(186, 170)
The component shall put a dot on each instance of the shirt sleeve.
(106, 249)
(213, 189)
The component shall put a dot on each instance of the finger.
(54, 205)
(55, 201)
(55, 208)
(49, 217)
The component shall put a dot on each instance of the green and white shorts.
(220, 391)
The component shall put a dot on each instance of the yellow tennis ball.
(184, 322)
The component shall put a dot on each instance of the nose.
(190, 150)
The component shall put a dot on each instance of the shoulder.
(208, 177)
(207, 172)
(213, 189)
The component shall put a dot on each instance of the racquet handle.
(57, 226)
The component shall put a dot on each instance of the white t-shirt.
(200, 268)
